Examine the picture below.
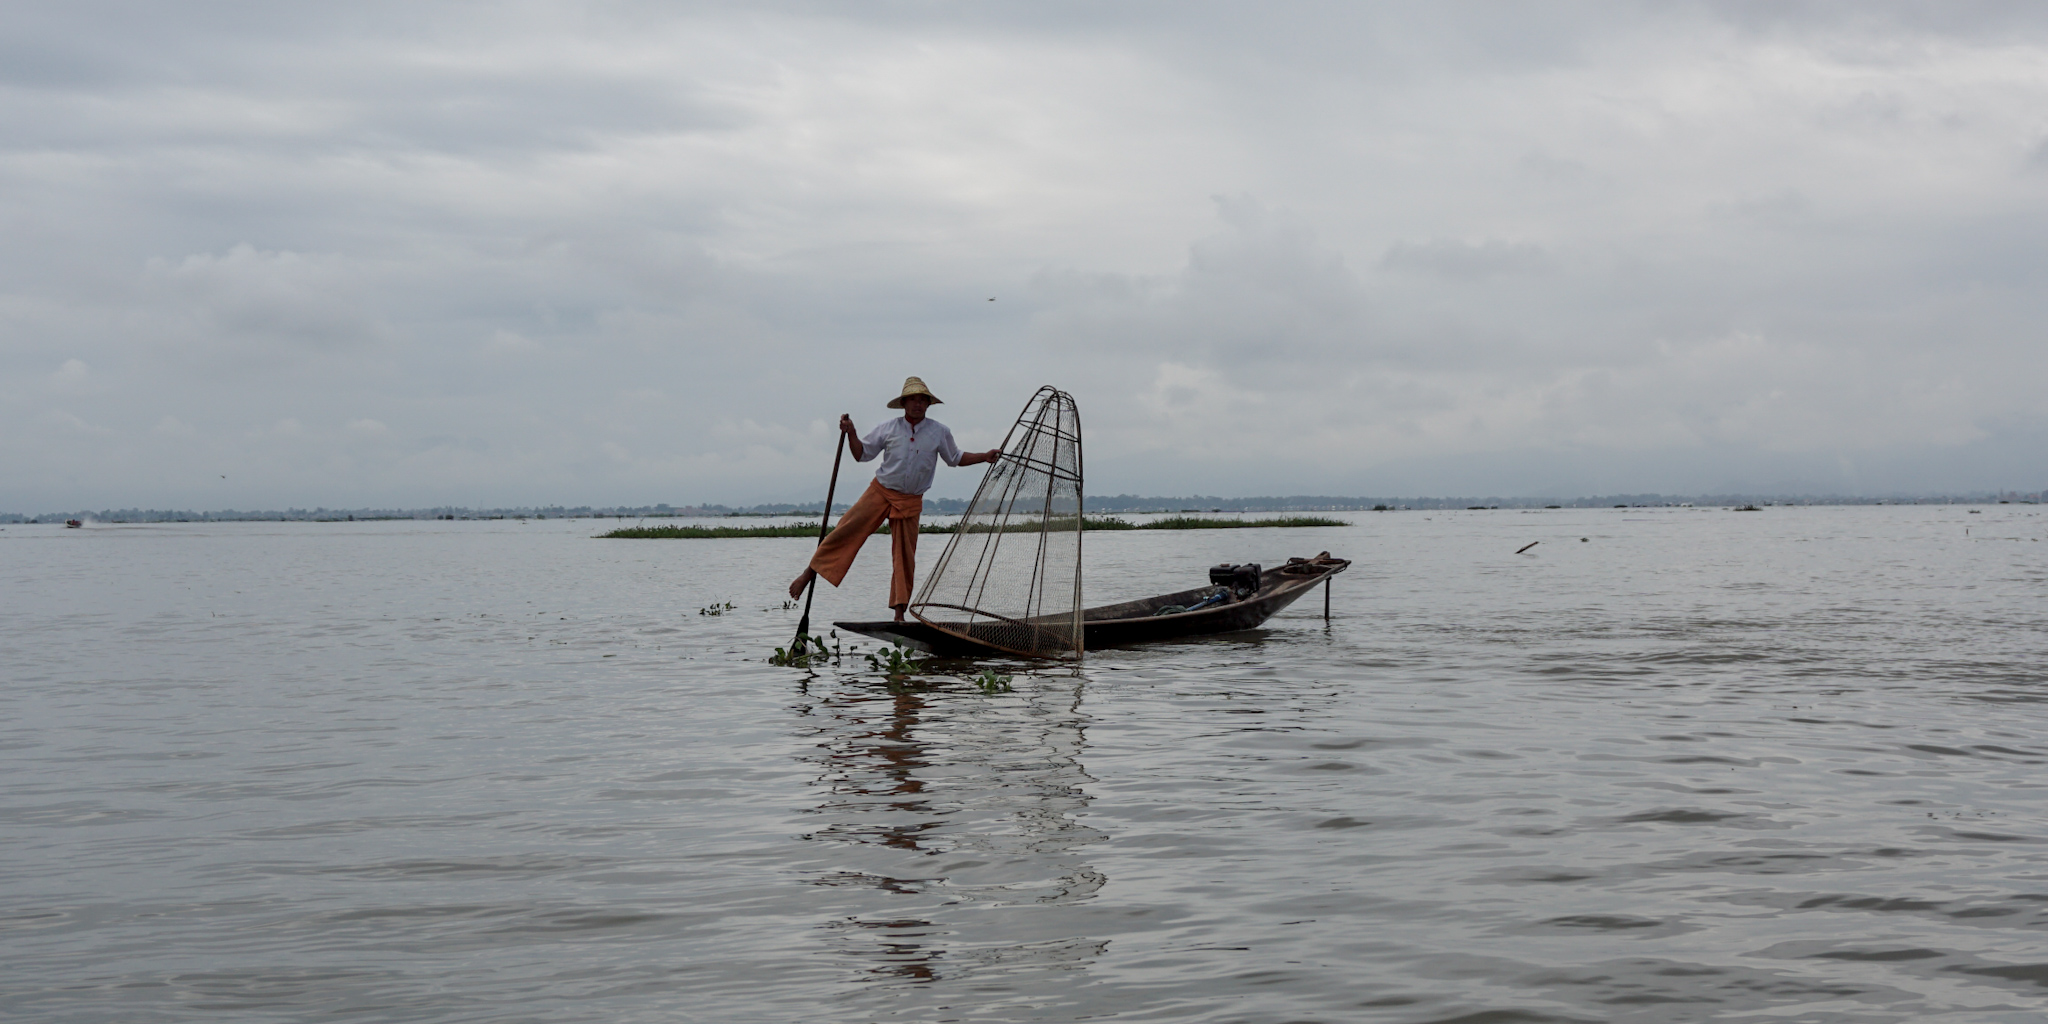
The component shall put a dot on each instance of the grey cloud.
(1894, 21)
(2037, 158)
(1467, 260)
(641, 252)
(1783, 209)
(1261, 296)
(273, 298)
(1542, 168)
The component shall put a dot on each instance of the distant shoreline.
(1027, 526)
(1120, 503)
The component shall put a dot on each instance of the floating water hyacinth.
(806, 650)
(894, 662)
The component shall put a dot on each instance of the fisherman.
(910, 448)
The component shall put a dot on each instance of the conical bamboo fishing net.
(1011, 574)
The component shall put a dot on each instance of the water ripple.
(1708, 768)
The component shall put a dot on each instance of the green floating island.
(1028, 526)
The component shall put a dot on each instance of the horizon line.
(1110, 503)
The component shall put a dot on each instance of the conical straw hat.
(913, 386)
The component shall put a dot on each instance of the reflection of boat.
(1141, 621)
(72, 524)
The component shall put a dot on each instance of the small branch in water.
(1529, 545)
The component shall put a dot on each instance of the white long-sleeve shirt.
(909, 455)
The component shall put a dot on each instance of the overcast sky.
(364, 254)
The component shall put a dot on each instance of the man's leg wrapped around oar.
(835, 554)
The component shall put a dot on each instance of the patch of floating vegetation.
(1203, 523)
(1029, 526)
(692, 532)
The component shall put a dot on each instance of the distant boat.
(72, 524)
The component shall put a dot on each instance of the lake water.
(1669, 765)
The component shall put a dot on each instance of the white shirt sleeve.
(871, 446)
(948, 450)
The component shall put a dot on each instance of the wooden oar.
(803, 625)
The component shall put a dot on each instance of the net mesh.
(1010, 577)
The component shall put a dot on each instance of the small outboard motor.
(1242, 580)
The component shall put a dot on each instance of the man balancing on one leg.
(910, 449)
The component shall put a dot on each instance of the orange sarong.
(835, 553)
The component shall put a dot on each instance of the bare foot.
(899, 615)
(803, 579)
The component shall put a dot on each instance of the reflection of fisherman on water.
(981, 793)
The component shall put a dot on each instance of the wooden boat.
(1140, 621)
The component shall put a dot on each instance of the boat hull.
(1134, 622)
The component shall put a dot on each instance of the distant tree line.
(1330, 503)
(948, 506)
